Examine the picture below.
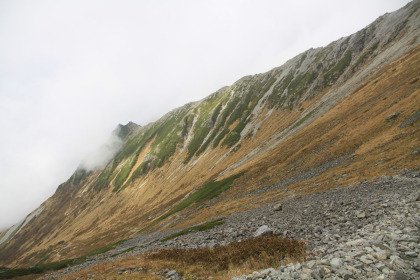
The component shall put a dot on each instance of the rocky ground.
(368, 231)
(371, 235)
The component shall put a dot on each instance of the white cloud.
(70, 71)
(101, 156)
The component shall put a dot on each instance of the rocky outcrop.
(125, 131)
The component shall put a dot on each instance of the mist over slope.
(326, 118)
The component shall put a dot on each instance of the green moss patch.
(206, 192)
(202, 227)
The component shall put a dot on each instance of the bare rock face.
(124, 131)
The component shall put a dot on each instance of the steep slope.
(326, 118)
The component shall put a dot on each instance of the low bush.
(254, 253)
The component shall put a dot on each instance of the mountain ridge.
(231, 132)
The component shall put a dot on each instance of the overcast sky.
(70, 71)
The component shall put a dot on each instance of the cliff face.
(326, 118)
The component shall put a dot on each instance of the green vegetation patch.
(47, 267)
(219, 137)
(80, 175)
(335, 72)
(168, 133)
(239, 108)
(123, 252)
(300, 83)
(228, 109)
(123, 174)
(277, 98)
(216, 113)
(141, 170)
(202, 227)
(104, 249)
(290, 88)
(17, 272)
(200, 134)
(235, 135)
(302, 120)
(128, 149)
(244, 108)
(231, 139)
(188, 121)
(211, 117)
(206, 192)
(168, 136)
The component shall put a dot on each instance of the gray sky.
(70, 71)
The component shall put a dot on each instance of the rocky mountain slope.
(327, 118)
(368, 231)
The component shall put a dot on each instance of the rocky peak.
(124, 131)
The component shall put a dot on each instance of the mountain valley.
(334, 125)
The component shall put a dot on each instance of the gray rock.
(367, 259)
(361, 215)
(336, 263)
(345, 274)
(380, 255)
(269, 271)
(318, 229)
(172, 274)
(411, 120)
(411, 254)
(242, 277)
(414, 197)
(316, 274)
(262, 231)
(400, 276)
(393, 116)
(310, 264)
(278, 207)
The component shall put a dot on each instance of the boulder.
(278, 207)
(263, 230)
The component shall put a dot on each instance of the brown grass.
(254, 253)
(219, 262)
